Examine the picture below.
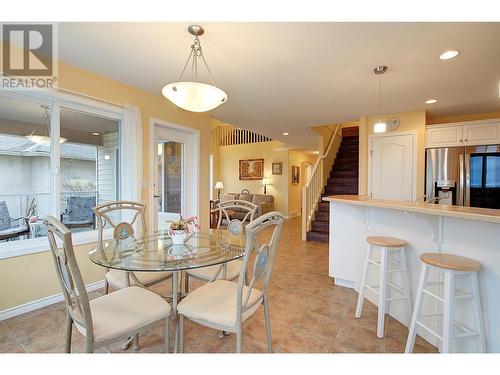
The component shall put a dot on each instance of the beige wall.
(270, 152)
(300, 159)
(31, 277)
(409, 121)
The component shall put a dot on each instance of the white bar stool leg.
(361, 296)
(382, 292)
(410, 342)
(406, 282)
(478, 317)
(449, 288)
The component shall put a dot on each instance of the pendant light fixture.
(44, 139)
(192, 95)
(380, 126)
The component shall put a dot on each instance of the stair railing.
(313, 188)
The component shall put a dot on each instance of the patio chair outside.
(79, 212)
(11, 227)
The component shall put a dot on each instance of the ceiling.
(286, 77)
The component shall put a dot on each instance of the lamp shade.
(219, 185)
(380, 127)
(194, 96)
(265, 181)
(43, 140)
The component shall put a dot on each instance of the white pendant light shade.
(194, 96)
(42, 139)
(380, 127)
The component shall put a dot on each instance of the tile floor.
(308, 314)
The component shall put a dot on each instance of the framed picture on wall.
(295, 174)
(252, 169)
(278, 168)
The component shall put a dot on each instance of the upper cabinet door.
(482, 134)
(448, 136)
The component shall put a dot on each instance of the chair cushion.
(216, 303)
(124, 311)
(206, 273)
(13, 230)
(117, 279)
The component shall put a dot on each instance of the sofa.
(264, 202)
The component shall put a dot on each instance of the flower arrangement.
(184, 224)
(179, 229)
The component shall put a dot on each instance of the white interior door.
(392, 172)
(174, 173)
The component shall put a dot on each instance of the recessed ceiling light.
(95, 133)
(431, 101)
(285, 133)
(448, 55)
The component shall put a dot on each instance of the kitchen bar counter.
(466, 231)
(470, 213)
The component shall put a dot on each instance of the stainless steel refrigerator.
(463, 176)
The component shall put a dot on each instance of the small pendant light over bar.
(380, 126)
(191, 95)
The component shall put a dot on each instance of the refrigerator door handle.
(467, 179)
(461, 179)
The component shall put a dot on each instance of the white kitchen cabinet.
(446, 136)
(473, 133)
(487, 134)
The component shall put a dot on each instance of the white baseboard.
(42, 302)
(345, 283)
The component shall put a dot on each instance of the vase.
(177, 236)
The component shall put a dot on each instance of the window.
(40, 135)
(25, 167)
(89, 166)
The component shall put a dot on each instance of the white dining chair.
(105, 319)
(231, 270)
(225, 305)
(125, 218)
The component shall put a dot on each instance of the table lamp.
(219, 185)
(265, 182)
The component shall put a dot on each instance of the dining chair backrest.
(265, 253)
(125, 217)
(68, 273)
(248, 209)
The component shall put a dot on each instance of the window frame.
(58, 99)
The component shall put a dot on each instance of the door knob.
(157, 196)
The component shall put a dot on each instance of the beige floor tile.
(351, 339)
(308, 314)
(302, 342)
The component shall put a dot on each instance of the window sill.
(40, 245)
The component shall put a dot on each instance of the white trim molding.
(42, 302)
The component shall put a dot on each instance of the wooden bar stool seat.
(388, 266)
(450, 262)
(453, 267)
(386, 241)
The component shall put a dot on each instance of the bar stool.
(451, 266)
(387, 246)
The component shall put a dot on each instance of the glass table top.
(157, 253)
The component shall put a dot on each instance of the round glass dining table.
(157, 253)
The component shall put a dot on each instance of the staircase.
(343, 179)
